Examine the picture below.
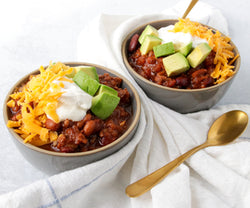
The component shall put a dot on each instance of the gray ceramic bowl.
(55, 162)
(181, 100)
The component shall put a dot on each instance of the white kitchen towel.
(214, 177)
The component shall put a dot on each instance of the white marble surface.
(34, 33)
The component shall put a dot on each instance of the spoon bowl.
(224, 130)
(227, 128)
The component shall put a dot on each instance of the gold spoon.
(190, 7)
(224, 130)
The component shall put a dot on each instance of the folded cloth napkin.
(213, 177)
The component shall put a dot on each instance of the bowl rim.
(146, 81)
(132, 126)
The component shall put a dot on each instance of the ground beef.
(92, 132)
(153, 70)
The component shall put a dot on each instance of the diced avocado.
(175, 64)
(198, 55)
(149, 30)
(89, 70)
(104, 104)
(185, 50)
(149, 42)
(164, 49)
(107, 89)
(86, 83)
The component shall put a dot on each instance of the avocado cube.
(104, 104)
(185, 50)
(198, 55)
(149, 30)
(86, 83)
(149, 42)
(175, 64)
(164, 49)
(107, 89)
(89, 70)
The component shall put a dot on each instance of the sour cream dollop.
(73, 103)
(179, 39)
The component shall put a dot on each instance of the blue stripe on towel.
(86, 185)
(55, 197)
(50, 204)
(57, 202)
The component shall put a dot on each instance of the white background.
(32, 33)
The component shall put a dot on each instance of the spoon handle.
(141, 186)
(190, 7)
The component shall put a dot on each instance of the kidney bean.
(50, 124)
(81, 123)
(84, 135)
(208, 81)
(89, 128)
(199, 73)
(92, 126)
(209, 61)
(201, 79)
(133, 43)
(182, 82)
(152, 68)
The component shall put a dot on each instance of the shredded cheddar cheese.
(11, 104)
(219, 44)
(37, 99)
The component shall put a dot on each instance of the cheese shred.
(37, 99)
(220, 45)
